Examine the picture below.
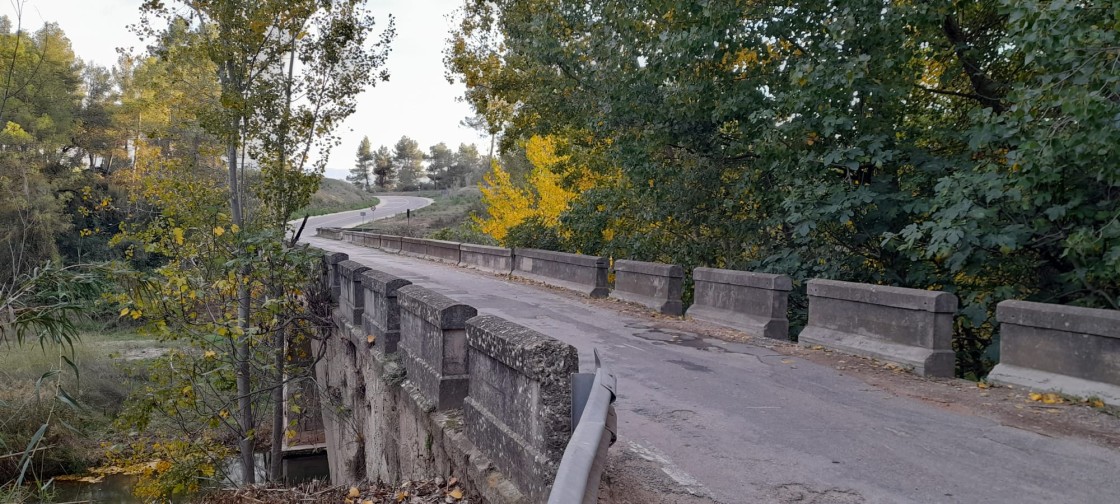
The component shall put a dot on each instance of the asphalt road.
(704, 420)
(388, 207)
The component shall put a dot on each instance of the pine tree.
(383, 168)
(408, 161)
(360, 173)
(440, 161)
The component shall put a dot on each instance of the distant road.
(389, 206)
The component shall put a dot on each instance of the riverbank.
(76, 393)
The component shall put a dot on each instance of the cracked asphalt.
(706, 420)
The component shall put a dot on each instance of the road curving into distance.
(388, 207)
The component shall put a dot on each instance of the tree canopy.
(965, 146)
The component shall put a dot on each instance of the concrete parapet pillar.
(434, 345)
(352, 299)
(655, 285)
(518, 409)
(755, 303)
(909, 327)
(1058, 348)
(381, 318)
(334, 278)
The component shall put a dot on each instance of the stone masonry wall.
(408, 411)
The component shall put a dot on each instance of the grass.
(337, 196)
(447, 218)
(106, 358)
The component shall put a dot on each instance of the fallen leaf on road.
(455, 494)
(354, 493)
(370, 339)
(1052, 399)
(1035, 396)
(982, 385)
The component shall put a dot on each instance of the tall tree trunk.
(280, 338)
(244, 381)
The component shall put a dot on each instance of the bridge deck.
(703, 419)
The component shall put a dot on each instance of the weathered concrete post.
(518, 411)
(1059, 348)
(655, 285)
(755, 303)
(482, 257)
(584, 274)
(434, 344)
(352, 301)
(910, 327)
(334, 277)
(381, 319)
(391, 243)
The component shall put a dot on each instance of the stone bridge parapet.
(654, 285)
(1059, 348)
(486, 258)
(434, 344)
(518, 409)
(381, 319)
(584, 274)
(754, 303)
(910, 327)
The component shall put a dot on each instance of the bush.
(533, 233)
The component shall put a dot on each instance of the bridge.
(710, 414)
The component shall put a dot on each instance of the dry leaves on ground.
(435, 491)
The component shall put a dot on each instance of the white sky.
(416, 101)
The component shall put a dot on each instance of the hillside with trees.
(405, 170)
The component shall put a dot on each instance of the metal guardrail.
(594, 430)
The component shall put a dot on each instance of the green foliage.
(363, 166)
(407, 164)
(533, 233)
(383, 168)
(968, 147)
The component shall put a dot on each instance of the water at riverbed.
(117, 489)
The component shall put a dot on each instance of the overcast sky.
(416, 101)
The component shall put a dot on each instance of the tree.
(941, 145)
(440, 160)
(408, 162)
(276, 117)
(39, 99)
(383, 169)
(360, 173)
(467, 167)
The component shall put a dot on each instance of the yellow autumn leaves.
(545, 197)
(1052, 398)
